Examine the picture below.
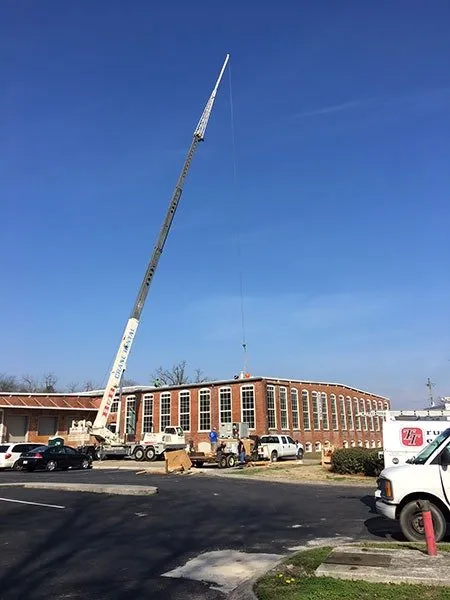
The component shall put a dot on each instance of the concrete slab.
(118, 490)
(225, 570)
(396, 566)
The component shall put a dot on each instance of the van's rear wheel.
(274, 456)
(411, 522)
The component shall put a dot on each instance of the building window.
(130, 417)
(164, 419)
(369, 408)
(362, 408)
(342, 413)
(294, 404)
(184, 398)
(349, 411)
(115, 404)
(308, 447)
(47, 426)
(377, 418)
(284, 408)
(225, 405)
(204, 413)
(373, 444)
(334, 416)
(345, 444)
(306, 416)
(315, 407)
(248, 405)
(356, 414)
(379, 444)
(360, 444)
(147, 413)
(317, 447)
(353, 444)
(271, 409)
(324, 410)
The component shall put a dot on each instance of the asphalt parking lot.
(77, 546)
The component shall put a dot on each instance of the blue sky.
(340, 200)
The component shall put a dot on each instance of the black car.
(51, 458)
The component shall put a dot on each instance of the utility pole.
(430, 386)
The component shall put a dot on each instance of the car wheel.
(274, 456)
(139, 453)
(300, 453)
(85, 464)
(16, 466)
(231, 461)
(150, 453)
(223, 462)
(411, 522)
(51, 465)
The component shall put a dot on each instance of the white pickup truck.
(424, 477)
(278, 446)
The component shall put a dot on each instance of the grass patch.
(294, 580)
(442, 547)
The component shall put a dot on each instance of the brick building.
(316, 413)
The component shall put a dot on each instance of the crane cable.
(238, 235)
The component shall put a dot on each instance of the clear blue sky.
(341, 198)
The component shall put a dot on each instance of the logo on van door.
(412, 436)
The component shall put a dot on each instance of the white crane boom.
(99, 429)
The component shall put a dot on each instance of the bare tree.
(88, 386)
(49, 383)
(29, 384)
(73, 387)
(177, 375)
(9, 383)
(128, 382)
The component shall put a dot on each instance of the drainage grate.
(357, 559)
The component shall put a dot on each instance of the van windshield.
(421, 458)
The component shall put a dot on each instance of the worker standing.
(241, 453)
(213, 438)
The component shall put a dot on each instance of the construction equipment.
(105, 437)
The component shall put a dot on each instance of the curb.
(118, 490)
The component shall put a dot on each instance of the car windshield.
(421, 458)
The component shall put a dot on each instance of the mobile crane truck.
(109, 442)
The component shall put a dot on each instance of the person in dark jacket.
(241, 452)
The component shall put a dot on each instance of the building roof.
(49, 401)
(152, 388)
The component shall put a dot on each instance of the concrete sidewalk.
(387, 565)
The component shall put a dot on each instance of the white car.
(10, 453)
(278, 446)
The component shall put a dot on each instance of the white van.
(424, 477)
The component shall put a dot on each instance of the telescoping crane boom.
(98, 428)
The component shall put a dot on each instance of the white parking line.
(32, 503)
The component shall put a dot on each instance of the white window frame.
(225, 390)
(356, 410)
(294, 409)
(372, 418)
(130, 401)
(184, 394)
(306, 414)
(362, 408)
(204, 392)
(245, 388)
(273, 409)
(334, 413)
(146, 414)
(342, 413)
(115, 405)
(284, 412)
(350, 419)
(325, 415)
(164, 396)
(315, 401)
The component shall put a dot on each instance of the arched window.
(371, 418)
(353, 443)
(356, 412)
(360, 444)
(334, 412)
(362, 406)
(317, 447)
(379, 445)
(284, 408)
(324, 410)
(184, 399)
(204, 410)
(308, 447)
(316, 410)
(349, 411)
(306, 413)
(367, 444)
(342, 417)
(294, 407)
(345, 444)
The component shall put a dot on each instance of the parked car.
(10, 453)
(51, 458)
(278, 446)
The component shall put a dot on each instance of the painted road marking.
(32, 503)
